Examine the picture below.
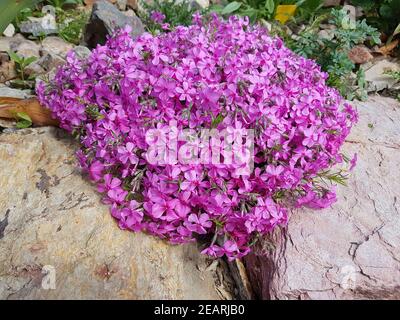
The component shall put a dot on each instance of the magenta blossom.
(157, 17)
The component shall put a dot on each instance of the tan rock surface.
(51, 217)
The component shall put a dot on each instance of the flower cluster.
(213, 74)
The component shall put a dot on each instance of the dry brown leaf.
(40, 116)
(385, 50)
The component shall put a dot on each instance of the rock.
(352, 13)
(4, 44)
(200, 4)
(89, 3)
(7, 68)
(51, 61)
(133, 4)
(41, 26)
(53, 50)
(82, 52)
(121, 4)
(129, 13)
(326, 34)
(55, 45)
(54, 227)
(376, 77)
(7, 125)
(359, 12)
(25, 48)
(351, 250)
(14, 93)
(327, 26)
(9, 31)
(46, 64)
(360, 54)
(34, 69)
(104, 20)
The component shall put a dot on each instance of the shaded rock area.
(57, 241)
(104, 20)
(351, 250)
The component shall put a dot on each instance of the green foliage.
(71, 24)
(9, 9)
(175, 13)
(338, 177)
(382, 14)
(254, 9)
(93, 112)
(25, 13)
(23, 120)
(332, 54)
(61, 3)
(21, 63)
(264, 10)
(394, 74)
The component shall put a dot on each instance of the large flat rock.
(351, 250)
(53, 223)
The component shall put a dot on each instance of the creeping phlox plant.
(227, 76)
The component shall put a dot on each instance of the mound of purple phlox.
(218, 75)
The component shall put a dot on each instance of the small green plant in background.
(25, 13)
(23, 120)
(395, 75)
(256, 10)
(332, 53)
(71, 25)
(21, 63)
(268, 10)
(382, 14)
(175, 13)
(61, 3)
(71, 21)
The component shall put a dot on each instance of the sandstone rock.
(55, 45)
(376, 77)
(104, 20)
(351, 250)
(52, 223)
(360, 54)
